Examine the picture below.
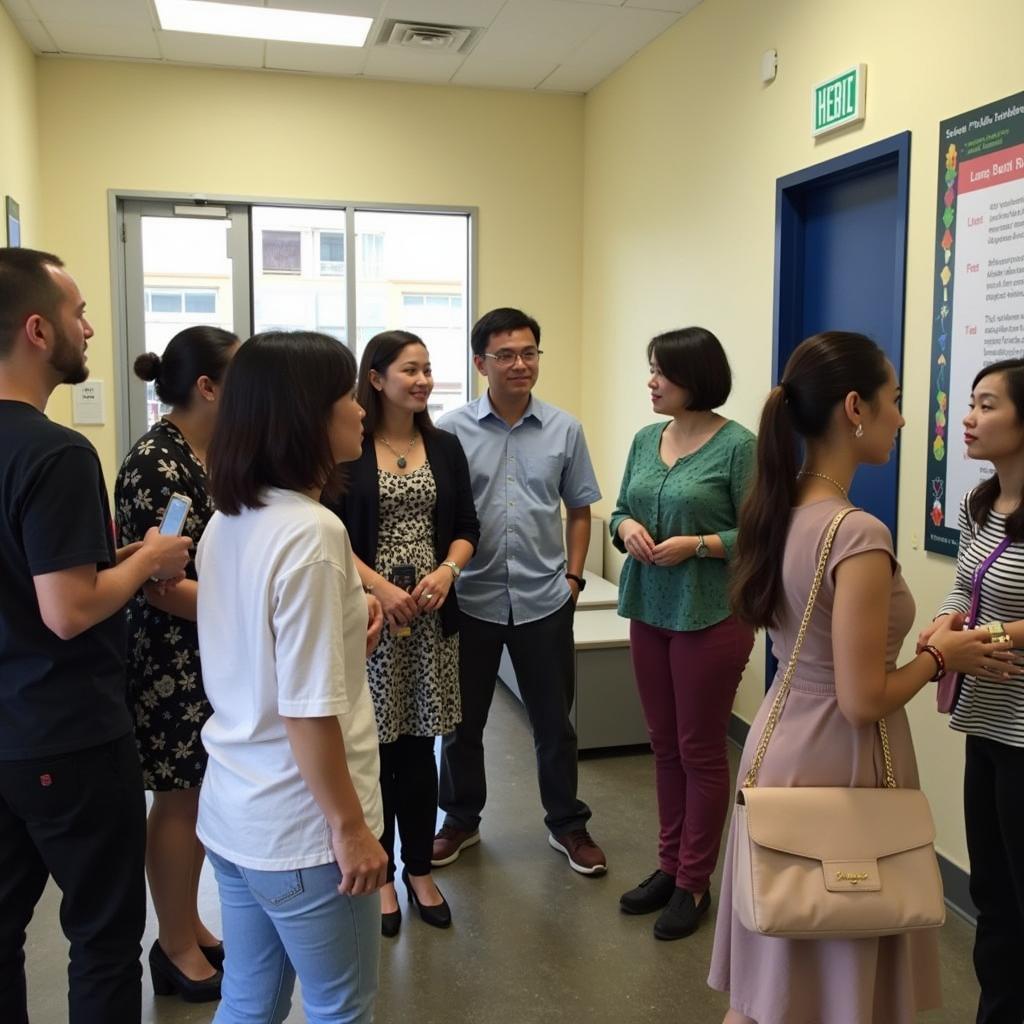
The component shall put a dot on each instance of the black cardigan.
(454, 512)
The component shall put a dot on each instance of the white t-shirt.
(282, 631)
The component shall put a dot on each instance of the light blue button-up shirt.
(521, 476)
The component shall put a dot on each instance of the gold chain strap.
(775, 713)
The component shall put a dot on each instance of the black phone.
(403, 577)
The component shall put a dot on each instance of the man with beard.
(71, 796)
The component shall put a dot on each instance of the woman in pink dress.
(839, 396)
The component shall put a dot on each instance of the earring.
(859, 432)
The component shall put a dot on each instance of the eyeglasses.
(506, 358)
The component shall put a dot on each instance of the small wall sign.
(839, 101)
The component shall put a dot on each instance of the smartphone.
(175, 515)
(403, 577)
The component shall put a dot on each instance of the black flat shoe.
(437, 917)
(650, 895)
(214, 955)
(682, 915)
(390, 923)
(168, 979)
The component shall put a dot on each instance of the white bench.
(606, 712)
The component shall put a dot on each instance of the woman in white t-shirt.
(290, 808)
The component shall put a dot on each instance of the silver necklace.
(823, 476)
(400, 460)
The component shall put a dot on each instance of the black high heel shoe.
(214, 955)
(437, 917)
(168, 979)
(390, 922)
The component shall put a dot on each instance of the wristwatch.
(578, 580)
(453, 567)
(997, 633)
(702, 550)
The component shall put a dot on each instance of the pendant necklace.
(822, 476)
(400, 460)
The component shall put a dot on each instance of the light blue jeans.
(281, 923)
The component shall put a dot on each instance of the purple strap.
(979, 574)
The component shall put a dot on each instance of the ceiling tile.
(603, 3)
(679, 6)
(395, 62)
(444, 12)
(538, 33)
(39, 39)
(193, 48)
(628, 31)
(512, 73)
(323, 60)
(127, 13)
(99, 41)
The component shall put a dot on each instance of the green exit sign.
(839, 101)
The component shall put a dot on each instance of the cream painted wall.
(19, 145)
(516, 156)
(682, 149)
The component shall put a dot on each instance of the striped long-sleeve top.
(992, 710)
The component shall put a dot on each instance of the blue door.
(840, 259)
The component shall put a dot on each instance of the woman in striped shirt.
(990, 709)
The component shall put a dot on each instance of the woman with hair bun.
(164, 676)
(839, 401)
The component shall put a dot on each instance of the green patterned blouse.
(700, 494)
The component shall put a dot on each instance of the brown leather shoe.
(585, 856)
(450, 842)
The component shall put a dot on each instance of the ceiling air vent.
(433, 38)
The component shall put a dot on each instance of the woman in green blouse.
(676, 519)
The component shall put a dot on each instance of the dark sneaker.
(450, 842)
(650, 895)
(681, 916)
(585, 856)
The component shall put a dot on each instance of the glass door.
(185, 264)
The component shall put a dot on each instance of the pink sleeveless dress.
(835, 981)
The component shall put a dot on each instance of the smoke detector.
(432, 38)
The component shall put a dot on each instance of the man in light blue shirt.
(526, 458)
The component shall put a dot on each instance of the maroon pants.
(687, 682)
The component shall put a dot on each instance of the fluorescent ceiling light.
(215, 19)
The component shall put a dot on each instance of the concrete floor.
(532, 941)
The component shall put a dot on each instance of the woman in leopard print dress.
(409, 504)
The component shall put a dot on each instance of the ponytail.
(764, 518)
(819, 375)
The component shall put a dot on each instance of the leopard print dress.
(414, 680)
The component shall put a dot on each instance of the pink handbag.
(823, 862)
(947, 693)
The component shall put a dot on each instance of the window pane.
(201, 302)
(312, 296)
(411, 273)
(282, 252)
(332, 247)
(187, 279)
(165, 302)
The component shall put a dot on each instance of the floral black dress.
(165, 684)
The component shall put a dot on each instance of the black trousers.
(81, 818)
(543, 657)
(408, 789)
(994, 811)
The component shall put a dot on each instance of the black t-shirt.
(56, 695)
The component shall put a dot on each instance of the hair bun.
(147, 366)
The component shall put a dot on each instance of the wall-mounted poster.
(979, 291)
(13, 222)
